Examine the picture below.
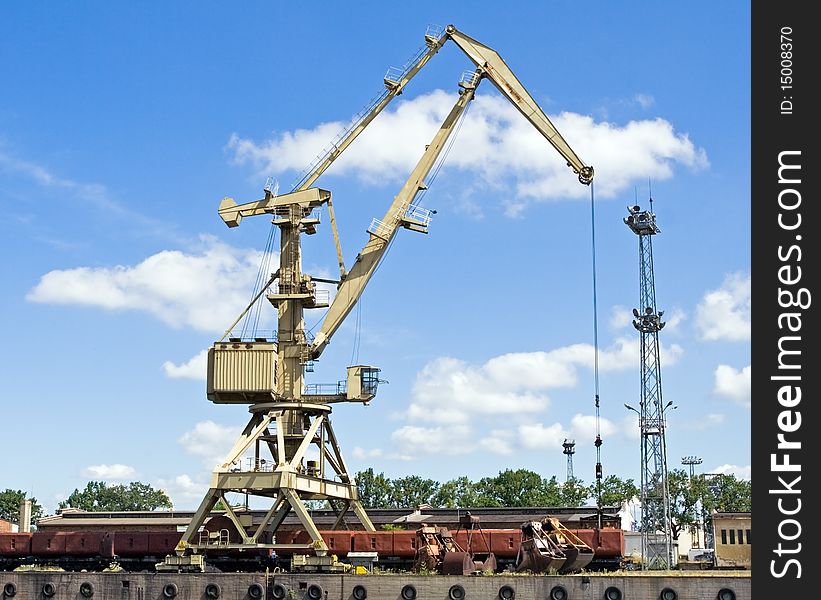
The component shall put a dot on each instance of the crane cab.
(362, 382)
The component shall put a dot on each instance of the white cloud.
(734, 384)
(497, 441)
(108, 472)
(445, 440)
(210, 441)
(541, 437)
(93, 196)
(704, 422)
(449, 390)
(725, 313)
(744, 472)
(495, 143)
(620, 317)
(629, 426)
(173, 286)
(195, 368)
(361, 453)
(584, 427)
(645, 100)
(673, 319)
(184, 492)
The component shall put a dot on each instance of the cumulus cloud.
(194, 368)
(108, 472)
(360, 453)
(744, 472)
(620, 317)
(540, 437)
(449, 390)
(734, 384)
(446, 439)
(495, 143)
(584, 427)
(673, 319)
(185, 492)
(210, 441)
(172, 286)
(725, 313)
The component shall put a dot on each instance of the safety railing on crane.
(413, 214)
(393, 77)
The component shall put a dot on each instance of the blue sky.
(122, 126)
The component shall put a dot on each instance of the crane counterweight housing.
(294, 452)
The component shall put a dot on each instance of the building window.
(732, 536)
(748, 537)
(724, 536)
(740, 536)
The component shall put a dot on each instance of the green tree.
(10, 506)
(412, 491)
(99, 496)
(616, 491)
(684, 498)
(518, 488)
(574, 492)
(723, 493)
(459, 492)
(374, 490)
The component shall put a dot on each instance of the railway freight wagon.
(141, 551)
(96, 550)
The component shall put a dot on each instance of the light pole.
(691, 461)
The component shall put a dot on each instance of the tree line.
(692, 499)
(519, 487)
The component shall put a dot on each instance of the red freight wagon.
(46, 543)
(479, 541)
(162, 543)
(404, 544)
(339, 542)
(504, 543)
(373, 541)
(89, 543)
(15, 544)
(130, 544)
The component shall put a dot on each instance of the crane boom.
(382, 232)
(499, 73)
(394, 84)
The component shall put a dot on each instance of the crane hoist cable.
(251, 322)
(598, 441)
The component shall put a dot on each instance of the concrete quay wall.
(37, 585)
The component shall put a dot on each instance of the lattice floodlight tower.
(569, 448)
(656, 538)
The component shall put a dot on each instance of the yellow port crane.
(268, 375)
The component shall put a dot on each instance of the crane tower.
(656, 534)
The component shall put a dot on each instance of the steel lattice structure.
(569, 448)
(656, 538)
